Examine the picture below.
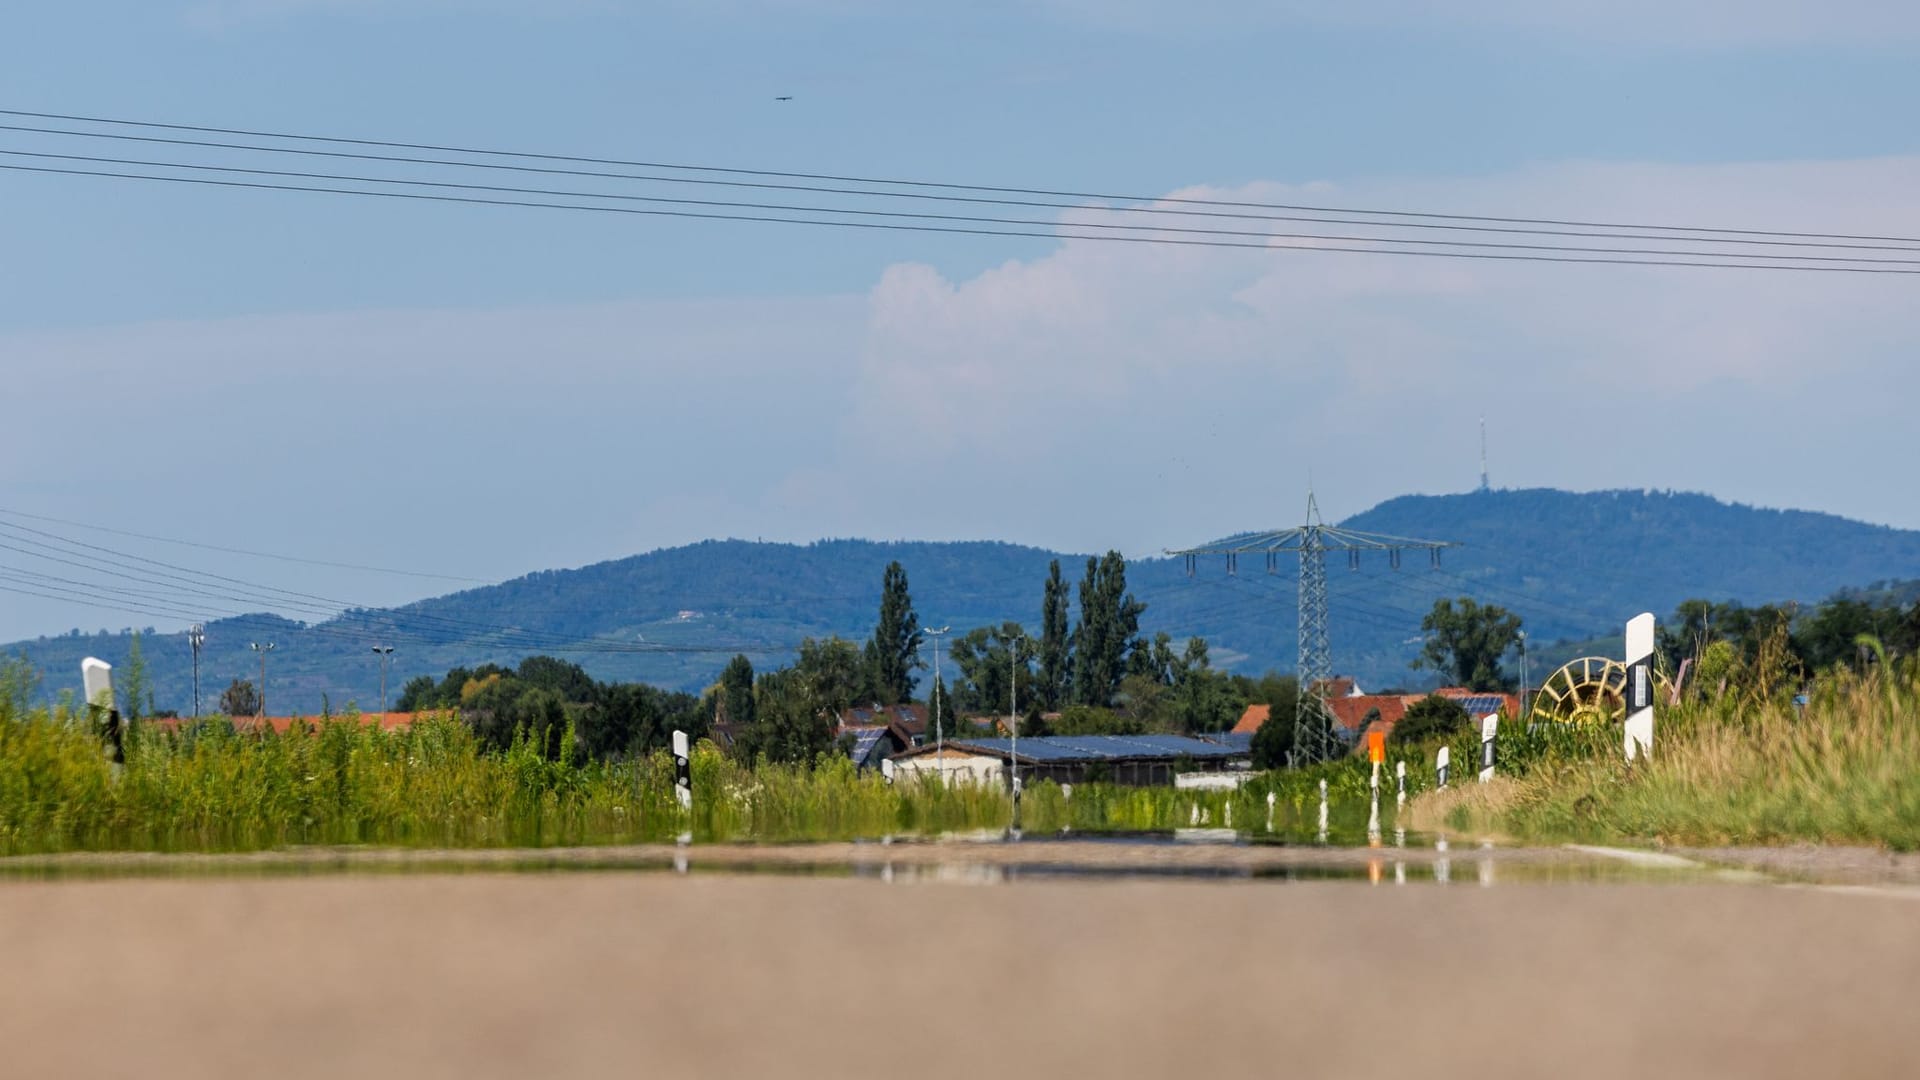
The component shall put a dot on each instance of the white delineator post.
(1639, 688)
(1489, 727)
(1373, 807)
(886, 771)
(1440, 761)
(96, 679)
(1270, 802)
(1323, 811)
(682, 771)
(1400, 777)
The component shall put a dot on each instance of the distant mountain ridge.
(1575, 565)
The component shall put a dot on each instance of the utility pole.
(1013, 719)
(263, 650)
(939, 739)
(1313, 737)
(384, 651)
(1524, 675)
(196, 637)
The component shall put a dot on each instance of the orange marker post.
(1376, 753)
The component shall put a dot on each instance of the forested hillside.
(1573, 565)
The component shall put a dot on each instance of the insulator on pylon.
(1189, 566)
(1273, 563)
(1436, 558)
(1233, 564)
(1393, 558)
(1353, 559)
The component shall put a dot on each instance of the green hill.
(1574, 565)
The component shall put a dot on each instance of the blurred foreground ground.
(652, 974)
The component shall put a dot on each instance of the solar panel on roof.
(1092, 748)
(865, 743)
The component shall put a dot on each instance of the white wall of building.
(960, 767)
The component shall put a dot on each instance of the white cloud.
(1234, 367)
(545, 436)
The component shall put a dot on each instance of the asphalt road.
(656, 975)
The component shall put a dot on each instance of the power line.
(977, 219)
(437, 629)
(961, 230)
(4, 512)
(944, 186)
(584, 646)
(1155, 210)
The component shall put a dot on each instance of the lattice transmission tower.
(1313, 735)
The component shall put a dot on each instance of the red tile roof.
(282, 724)
(1351, 712)
(1339, 686)
(1251, 720)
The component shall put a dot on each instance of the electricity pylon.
(1313, 737)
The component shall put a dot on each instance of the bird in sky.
(787, 97)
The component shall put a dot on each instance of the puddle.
(1209, 855)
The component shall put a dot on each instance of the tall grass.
(209, 788)
(1845, 768)
(1748, 767)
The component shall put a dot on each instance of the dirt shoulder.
(1816, 863)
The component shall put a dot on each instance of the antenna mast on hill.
(1483, 455)
(1313, 736)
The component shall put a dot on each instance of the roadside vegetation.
(1757, 751)
(1760, 757)
(210, 787)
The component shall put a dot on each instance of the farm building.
(1073, 759)
(870, 744)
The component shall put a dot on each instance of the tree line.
(1089, 670)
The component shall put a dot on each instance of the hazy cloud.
(1220, 369)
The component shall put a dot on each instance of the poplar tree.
(1109, 625)
(736, 691)
(135, 698)
(894, 652)
(1056, 649)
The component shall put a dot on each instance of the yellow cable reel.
(1589, 690)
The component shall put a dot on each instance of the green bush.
(1432, 717)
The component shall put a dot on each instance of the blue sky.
(482, 392)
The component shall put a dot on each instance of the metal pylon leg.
(1312, 734)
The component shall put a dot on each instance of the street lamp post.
(939, 738)
(196, 637)
(1013, 720)
(384, 651)
(263, 650)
